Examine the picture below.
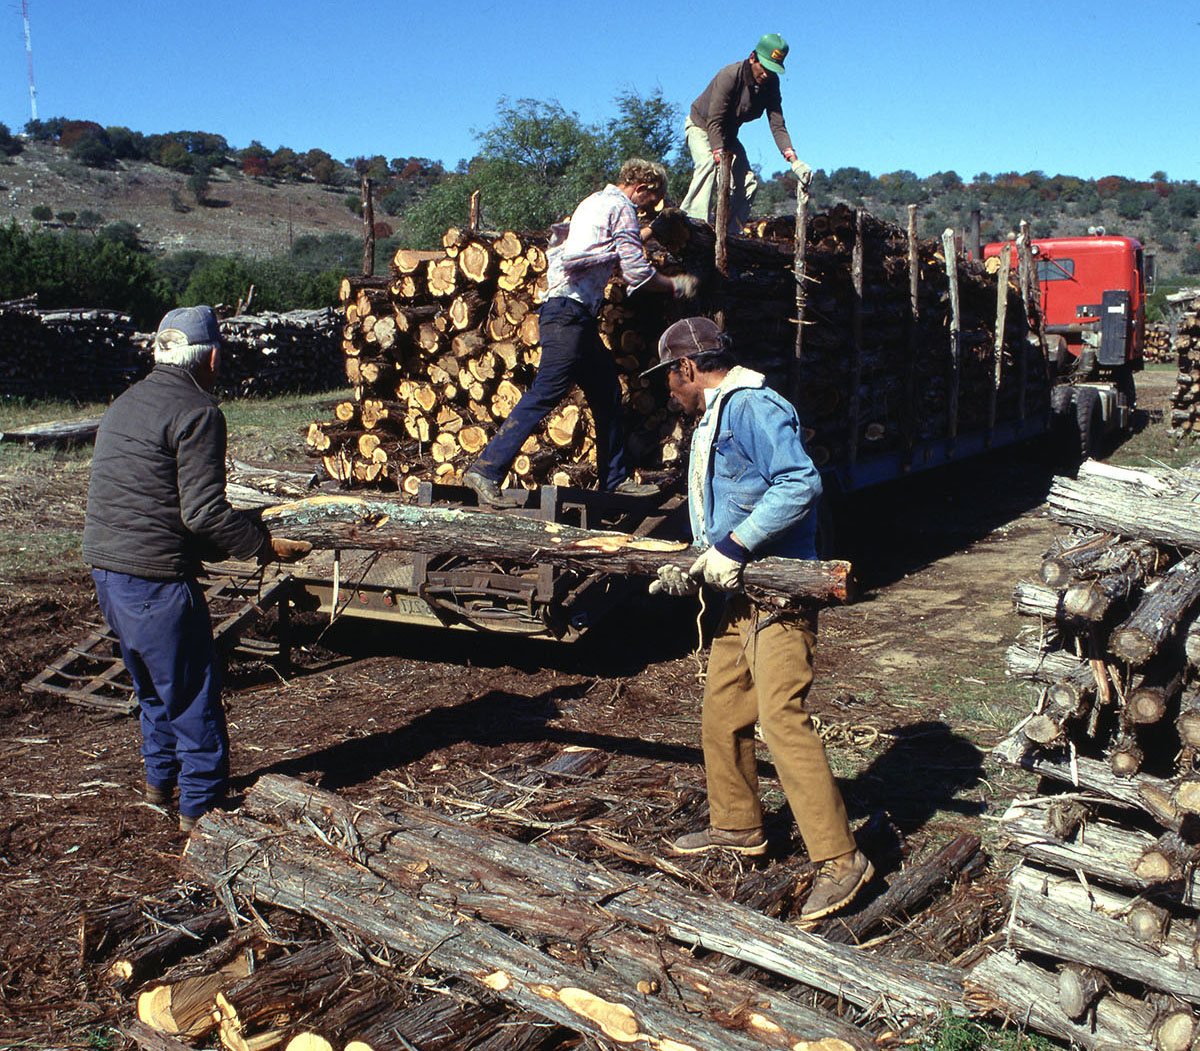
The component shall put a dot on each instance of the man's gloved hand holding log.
(686, 285)
(673, 581)
(721, 565)
(280, 549)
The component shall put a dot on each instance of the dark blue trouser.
(571, 353)
(167, 645)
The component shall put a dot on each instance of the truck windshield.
(1056, 269)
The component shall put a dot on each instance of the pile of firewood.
(314, 922)
(1103, 941)
(86, 354)
(93, 355)
(1185, 402)
(897, 347)
(438, 355)
(1159, 348)
(295, 351)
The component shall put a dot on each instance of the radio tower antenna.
(29, 54)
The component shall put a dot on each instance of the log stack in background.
(93, 355)
(438, 353)
(1103, 939)
(89, 355)
(296, 351)
(1185, 402)
(1159, 348)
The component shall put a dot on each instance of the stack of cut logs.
(1185, 402)
(280, 353)
(1159, 348)
(85, 354)
(1103, 942)
(93, 355)
(894, 351)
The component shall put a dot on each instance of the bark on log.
(1159, 612)
(1059, 916)
(150, 955)
(1139, 504)
(344, 522)
(1028, 995)
(1100, 848)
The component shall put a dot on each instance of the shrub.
(66, 218)
(42, 213)
(90, 219)
(10, 145)
(121, 232)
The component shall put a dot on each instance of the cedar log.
(349, 522)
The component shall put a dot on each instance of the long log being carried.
(349, 522)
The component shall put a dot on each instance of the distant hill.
(253, 217)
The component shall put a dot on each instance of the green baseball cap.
(772, 50)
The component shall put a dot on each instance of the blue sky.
(1089, 89)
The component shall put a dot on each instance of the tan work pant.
(764, 675)
(698, 201)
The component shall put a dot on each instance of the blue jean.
(571, 353)
(167, 645)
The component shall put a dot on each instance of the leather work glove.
(718, 569)
(802, 172)
(673, 581)
(284, 550)
(686, 286)
(718, 156)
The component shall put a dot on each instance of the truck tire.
(1065, 444)
(1091, 426)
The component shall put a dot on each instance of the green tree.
(72, 268)
(10, 145)
(1189, 260)
(89, 219)
(93, 151)
(198, 182)
(66, 218)
(42, 213)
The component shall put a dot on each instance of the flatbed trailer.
(507, 596)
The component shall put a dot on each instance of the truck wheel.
(1091, 426)
(1065, 444)
(1127, 387)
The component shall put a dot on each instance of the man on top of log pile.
(752, 492)
(603, 231)
(739, 93)
(156, 507)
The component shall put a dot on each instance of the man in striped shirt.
(602, 236)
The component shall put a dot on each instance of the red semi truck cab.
(1093, 293)
(1093, 299)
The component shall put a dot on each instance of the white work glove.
(721, 571)
(673, 581)
(686, 286)
(801, 170)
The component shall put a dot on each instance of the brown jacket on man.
(733, 99)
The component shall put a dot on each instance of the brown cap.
(686, 339)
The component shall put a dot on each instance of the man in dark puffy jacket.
(739, 93)
(156, 508)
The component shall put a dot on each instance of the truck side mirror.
(1151, 274)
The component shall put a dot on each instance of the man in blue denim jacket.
(752, 492)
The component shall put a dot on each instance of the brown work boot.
(741, 841)
(159, 796)
(188, 822)
(838, 881)
(489, 492)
